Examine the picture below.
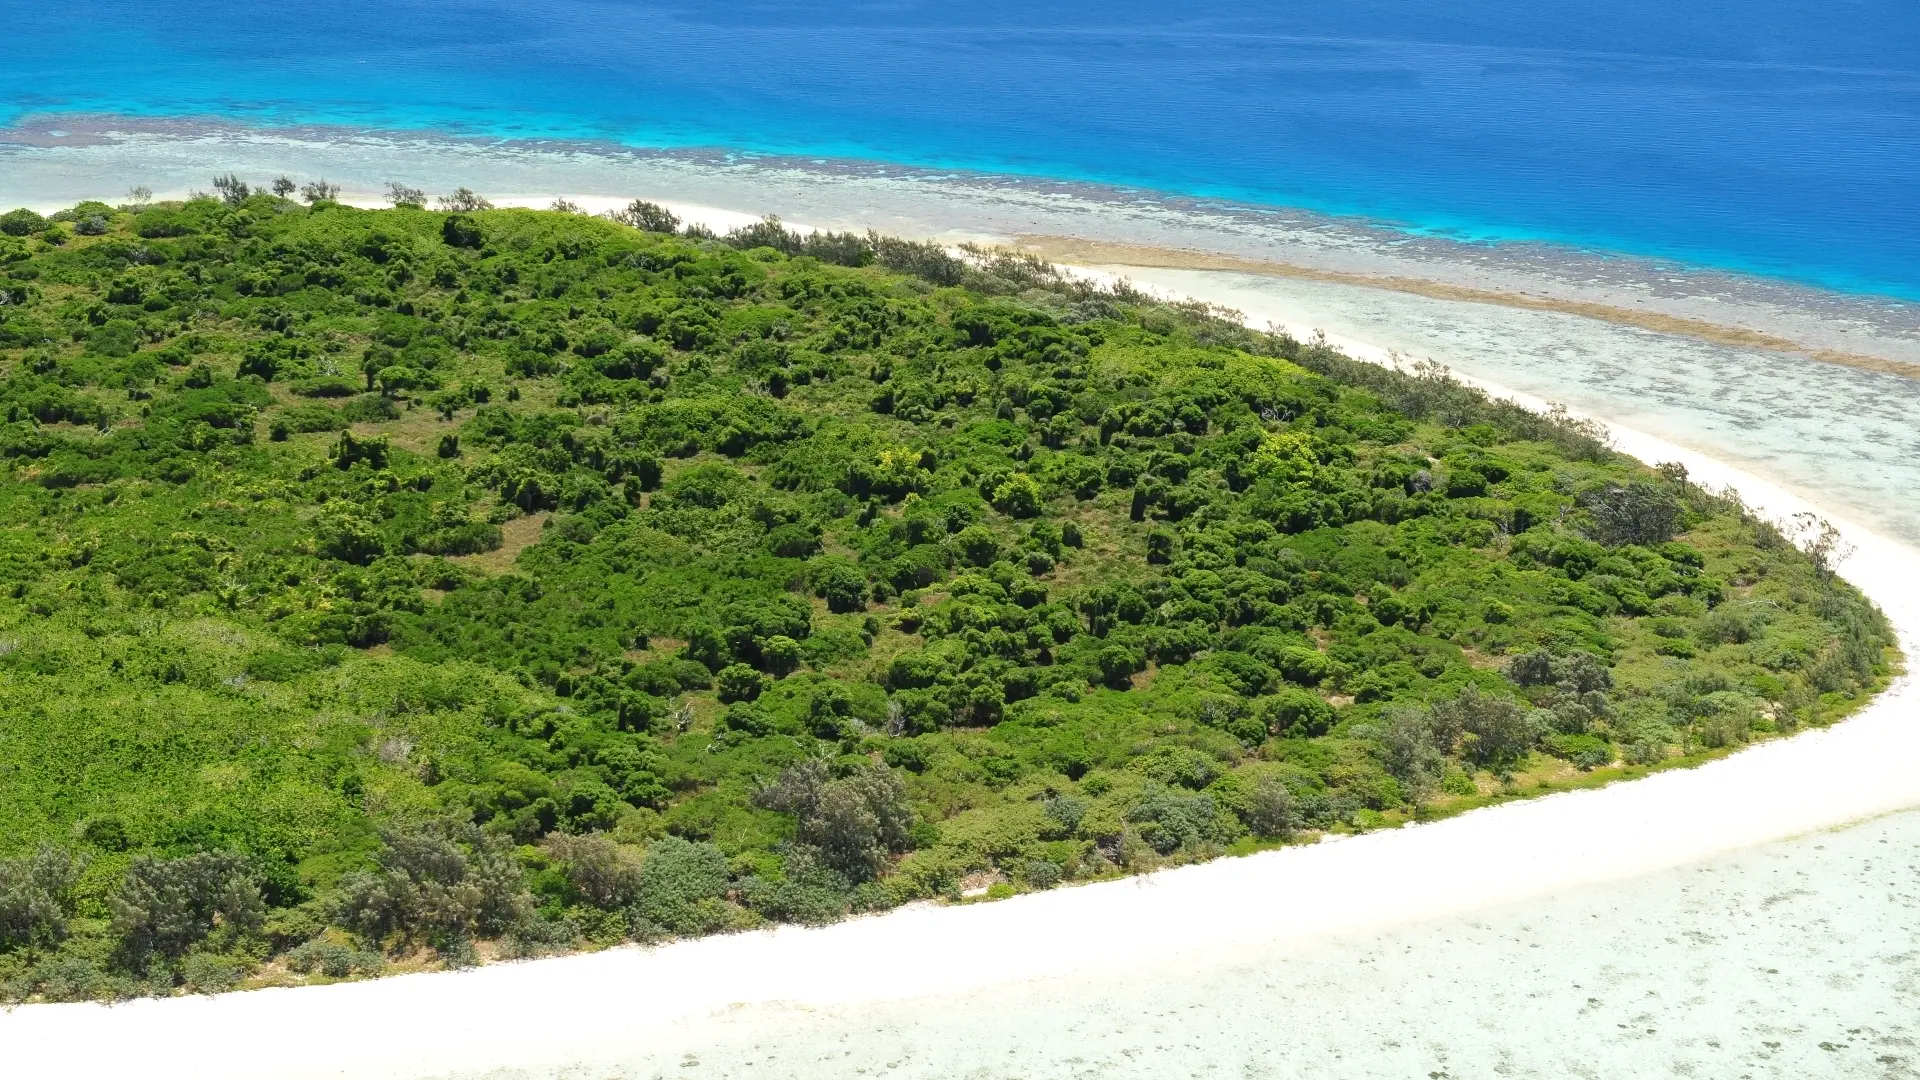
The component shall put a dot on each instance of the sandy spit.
(573, 1012)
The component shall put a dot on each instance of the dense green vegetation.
(401, 587)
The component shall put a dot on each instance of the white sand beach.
(582, 1015)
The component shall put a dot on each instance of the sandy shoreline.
(49, 159)
(1071, 250)
(592, 1008)
(1075, 251)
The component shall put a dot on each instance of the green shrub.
(1169, 822)
(324, 386)
(1049, 575)
(853, 822)
(438, 883)
(36, 897)
(305, 418)
(20, 222)
(369, 409)
(115, 337)
(165, 906)
(1297, 714)
(210, 973)
(333, 960)
(160, 221)
(680, 887)
(1584, 751)
(740, 682)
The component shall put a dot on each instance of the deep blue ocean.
(1774, 136)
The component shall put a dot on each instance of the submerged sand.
(1137, 257)
(628, 1011)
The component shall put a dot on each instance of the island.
(388, 590)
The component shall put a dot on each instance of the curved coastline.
(1079, 252)
(611, 1002)
(50, 158)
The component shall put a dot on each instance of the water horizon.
(1777, 143)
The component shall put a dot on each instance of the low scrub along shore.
(389, 589)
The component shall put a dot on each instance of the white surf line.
(572, 1012)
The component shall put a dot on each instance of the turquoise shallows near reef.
(1766, 136)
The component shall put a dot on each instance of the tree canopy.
(391, 588)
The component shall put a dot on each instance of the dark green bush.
(680, 887)
(21, 222)
(166, 906)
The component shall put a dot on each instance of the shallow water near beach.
(1794, 960)
(1761, 135)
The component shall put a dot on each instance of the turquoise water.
(1766, 136)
